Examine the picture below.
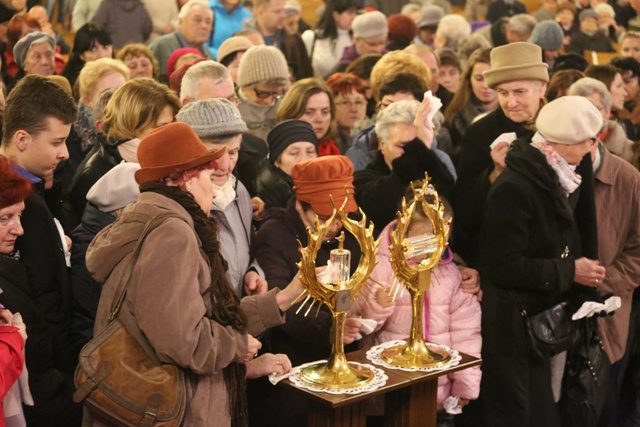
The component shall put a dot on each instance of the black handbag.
(549, 332)
(585, 383)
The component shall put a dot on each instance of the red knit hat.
(316, 180)
(171, 62)
(174, 147)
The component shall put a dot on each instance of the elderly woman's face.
(399, 135)
(574, 153)
(350, 108)
(140, 66)
(40, 60)
(202, 190)
(10, 227)
(294, 154)
(227, 162)
(96, 52)
(520, 99)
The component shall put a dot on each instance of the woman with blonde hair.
(311, 101)
(140, 60)
(136, 108)
(96, 77)
(474, 97)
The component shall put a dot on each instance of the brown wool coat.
(169, 299)
(617, 186)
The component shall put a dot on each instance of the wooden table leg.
(344, 416)
(412, 406)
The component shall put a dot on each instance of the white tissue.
(507, 137)
(434, 107)
(366, 327)
(590, 308)
(275, 379)
(451, 405)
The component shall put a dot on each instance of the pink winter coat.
(452, 318)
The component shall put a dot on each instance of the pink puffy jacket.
(452, 318)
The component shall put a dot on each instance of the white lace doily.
(374, 356)
(379, 379)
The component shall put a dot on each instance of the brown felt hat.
(174, 147)
(516, 61)
(317, 180)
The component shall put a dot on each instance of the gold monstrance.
(337, 374)
(417, 278)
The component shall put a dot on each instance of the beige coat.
(169, 299)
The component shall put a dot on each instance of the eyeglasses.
(262, 94)
(595, 140)
(349, 104)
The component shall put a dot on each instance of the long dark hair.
(84, 40)
(326, 26)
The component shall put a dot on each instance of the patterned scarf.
(569, 179)
(85, 127)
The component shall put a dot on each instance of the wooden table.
(410, 398)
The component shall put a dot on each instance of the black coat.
(272, 185)
(85, 291)
(379, 190)
(105, 158)
(51, 385)
(302, 338)
(43, 257)
(252, 151)
(472, 185)
(528, 224)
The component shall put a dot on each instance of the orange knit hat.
(317, 179)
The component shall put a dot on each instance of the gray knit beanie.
(548, 35)
(212, 118)
(260, 64)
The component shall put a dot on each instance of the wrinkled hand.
(588, 272)
(498, 155)
(424, 131)
(268, 363)
(257, 208)
(252, 350)
(285, 297)
(470, 281)
(254, 284)
(351, 329)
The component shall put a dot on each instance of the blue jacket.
(225, 24)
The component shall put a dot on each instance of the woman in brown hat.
(179, 295)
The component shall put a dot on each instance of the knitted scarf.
(226, 304)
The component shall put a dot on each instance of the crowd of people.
(239, 123)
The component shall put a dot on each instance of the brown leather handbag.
(119, 377)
